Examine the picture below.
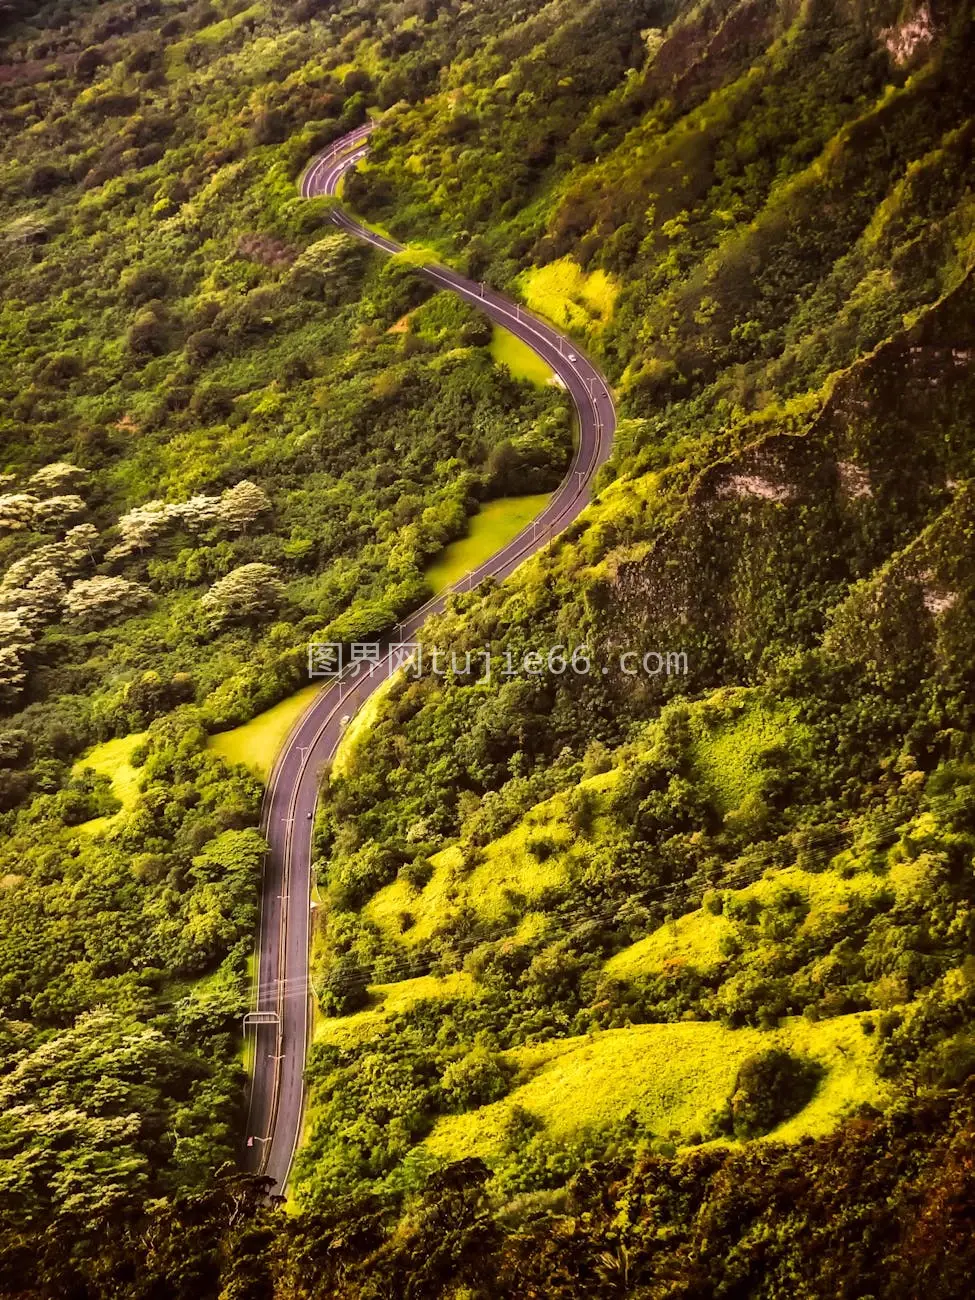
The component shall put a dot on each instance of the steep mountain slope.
(628, 979)
(771, 246)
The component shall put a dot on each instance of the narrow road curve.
(283, 991)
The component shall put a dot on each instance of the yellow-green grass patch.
(523, 362)
(673, 1077)
(824, 891)
(569, 296)
(494, 888)
(214, 34)
(249, 1041)
(224, 27)
(503, 886)
(256, 743)
(625, 493)
(694, 939)
(359, 726)
(494, 525)
(728, 757)
(388, 999)
(113, 759)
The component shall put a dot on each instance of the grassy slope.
(360, 724)
(569, 296)
(256, 743)
(495, 524)
(500, 886)
(341, 1031)
(695, 938)
(671, 1075)
(112, 759)
(521, 360)
(727, 756)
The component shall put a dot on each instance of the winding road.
(283, 998)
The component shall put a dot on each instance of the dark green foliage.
(771, 1086)
(758, 1221)
(476, 1079)
(344, 989)
(781, 194)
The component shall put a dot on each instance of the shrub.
(345, 988)
(541, 847)
(476, 1079)
(713, 902)
(417, 873)
(771, 1087)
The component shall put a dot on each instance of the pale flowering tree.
(79, 545)
(242, 505)
(199, 512)
(67, 558)
(39, 602)
(15, 643)
(24, 570)
(249, 592)
(56, 512)
(141, 527)
(96, 601)
(16, 511)
(59, 478)
(235, 510)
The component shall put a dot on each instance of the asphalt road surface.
(283, 992)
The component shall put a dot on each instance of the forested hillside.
(653, 985)
(218, 444)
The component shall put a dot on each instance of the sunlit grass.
(387, 999)
(360, 724)
(214, 34)
(113, 759)
(219, 31)
(693, 939)
(728, 757)
(501, 887)
(523, 362)
(494, 525)
(248, 1042)
(256, 743)
(673, 1077)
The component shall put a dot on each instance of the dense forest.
(624, 984)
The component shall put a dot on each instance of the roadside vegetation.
(214, 450)
(623, 984)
